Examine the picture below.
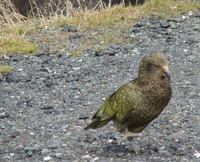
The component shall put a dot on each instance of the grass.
(4, 69)
(18, 30)
(16, 44)
(102, 27)
(120, 15)
(170, 8)
(111, 22)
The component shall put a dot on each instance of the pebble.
(30, 151)
(47, 158)
(164, 24)
(59, 155)
(134, 148)
(4, 115)
(45, 151)
(86, 157)
(197, 154)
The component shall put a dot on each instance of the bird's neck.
(152, 81)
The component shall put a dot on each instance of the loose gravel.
(49, 99)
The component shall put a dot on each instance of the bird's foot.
(130, 136)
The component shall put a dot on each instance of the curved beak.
(166, 70)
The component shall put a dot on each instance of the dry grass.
(8, 14)
(104, 26)
(169, 8)
(111, 22)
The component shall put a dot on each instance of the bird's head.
(154, 64)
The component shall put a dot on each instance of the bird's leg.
(131, 146)
(129, 135)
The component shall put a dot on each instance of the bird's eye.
(151, 67)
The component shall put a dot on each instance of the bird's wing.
(121, 103)
(128, 99)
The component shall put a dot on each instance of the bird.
(137, 103)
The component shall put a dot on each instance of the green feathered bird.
(135, 104)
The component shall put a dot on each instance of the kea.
(135, 104)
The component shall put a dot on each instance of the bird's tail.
(97, 123)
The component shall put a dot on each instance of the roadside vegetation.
(4, 69)
(103, 25)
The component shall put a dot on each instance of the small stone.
(15, 134)
(47, 158)
(197, 154)
(47, 107)
(53, 146)
(120, 154)
(75, 36)
(29, 153)
(76, 68)
(63, 56)
(110, 140)
(68, 28)
(59, 155)
(82, 117)
(190, 13)
(64, 127)
(89, 139)
(98, 53)
(174, 146)
(45, 151)
(154, 148)
(12, 154)
(112, 53)
(86, 157)
(6, 158)
(31, 150)
(183, 17)
(134, 148)
(40, 54)
(114, 137)
(71, 78)
(196, 14)
(164, 24)
(71, 109)
(138, 25)
(176, 20)
(4, 115)
(95, 159)
(2, 126)
(6, 57)
(18, 77)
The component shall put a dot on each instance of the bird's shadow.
(123, 150)
(116, 148)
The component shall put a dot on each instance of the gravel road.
(49, 99)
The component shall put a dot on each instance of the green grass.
(4, 69)
(15, 44)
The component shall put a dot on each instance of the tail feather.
(97, 123)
